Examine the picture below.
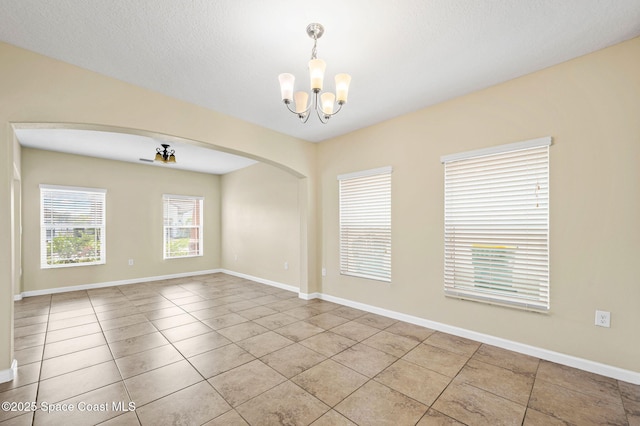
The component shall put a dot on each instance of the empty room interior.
(446, 235)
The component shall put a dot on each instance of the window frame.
(358, 258)
(496, 225)
(166, 198)
(94, 195)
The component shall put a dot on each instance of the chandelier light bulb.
(342, 87)
(316, 73)
(328, 100)
(286, 85)
(301, 99)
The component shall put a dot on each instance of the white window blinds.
(182, 226)
(365, 224)
(497, 225)
(72, 226)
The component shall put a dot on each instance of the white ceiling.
(403, 55)
(131, 148)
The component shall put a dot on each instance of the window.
(182, 226)
(365, 224)
(72, 226)
(496, 218)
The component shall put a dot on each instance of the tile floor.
(221, 350)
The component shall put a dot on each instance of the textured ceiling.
(403, 55)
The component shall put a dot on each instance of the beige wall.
(133, 217)
(261, 224)
(591, 108)
(34, 88)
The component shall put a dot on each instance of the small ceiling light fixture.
(324, 108)
(165, 155)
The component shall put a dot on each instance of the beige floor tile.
(164, 313)
(276, 320)
(436, 418)
(75, 344)
(160, 382)
(411, 331)
(264, 343)
(300, 312)
(111, 312)
(333, 418)
(500, 381)
(377, 404)
(224, 321)
(77, 382)
(328, 343)
(137, 344)
(71, 314)
(92, 407)
(174, 321)
(20, 420)
(193, 405)
(71, 332)
(128, 419)
(377, 321)
(210, 313)
(436, 359)
(219, 360)
(182, 332)
(123, 333)
(285, 404)
(518, 363)
(72, 322)
(38, 319)
(452, 343)
(472, 405)
(584, 382)
(355, 331)
(465, 382)
(20, 343)
(348, 313)
(22, 394)
(246, 381)
(27, 330)
(230, 418)
(142, 362)
(390, 343)
(414, 381)
(63, 364)
(298, 331)
(292, 360)
(631, 401)
(240, 305)
(364, 359)
(202, 343)
(572, 406)
(327, 320)
(242, 331)
(257, 312)
(111, 324)
(28, 355)
(27, 374)
(330, 381)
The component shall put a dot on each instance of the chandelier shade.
(324, 104)
(165, 155)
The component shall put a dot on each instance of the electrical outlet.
(324, 272)
(603, 319)
(286, 266)
(130, 262)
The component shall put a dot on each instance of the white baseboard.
(262, 280)
(557, 357)
(111, 283)
(10, 373)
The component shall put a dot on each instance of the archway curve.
(154, 135)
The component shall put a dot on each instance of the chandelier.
(165, 155)
(323, 103)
